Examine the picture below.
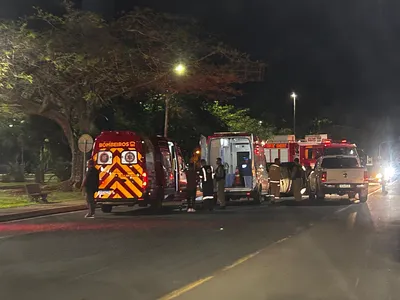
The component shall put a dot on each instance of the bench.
(35, 193)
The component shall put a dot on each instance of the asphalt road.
(328, 251)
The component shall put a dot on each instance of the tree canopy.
(234, 119)
(66, 67)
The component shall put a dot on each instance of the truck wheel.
(106, 208)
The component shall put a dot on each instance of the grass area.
(10, 200)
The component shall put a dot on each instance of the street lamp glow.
(294, 96)
(180, 69)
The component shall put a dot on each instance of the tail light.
(366, 177)
(323, 177)
(144, 180)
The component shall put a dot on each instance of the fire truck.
(308, 150)
(283, 147)
(244, 161)
(315, 146)
(137, 170)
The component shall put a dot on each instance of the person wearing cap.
(91, 185)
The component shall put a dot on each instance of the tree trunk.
(65, 124)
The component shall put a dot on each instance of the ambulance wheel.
(258, 196)
(106, 208)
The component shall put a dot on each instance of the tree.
(66, 67)
(234, 119)
(319, 125)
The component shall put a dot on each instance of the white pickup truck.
(341, 175)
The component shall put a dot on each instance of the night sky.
(342, 57)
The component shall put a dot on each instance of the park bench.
(35, 193)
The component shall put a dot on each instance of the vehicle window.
(338, 163)
(309, 154)
(340, 151)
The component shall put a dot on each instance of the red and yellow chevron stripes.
(124, 181)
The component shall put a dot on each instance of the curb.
(41, 212)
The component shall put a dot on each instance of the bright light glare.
(379, 176)
(303, 190)
(389, 172)
(180, 69)
(293, 95)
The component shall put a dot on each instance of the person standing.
(191, 177)
(91, 185)
(207, 183)
(275, 179)
(297, 179)
(220, 180)
(247, 173)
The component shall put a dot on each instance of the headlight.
(389, 172)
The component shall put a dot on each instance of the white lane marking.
(357, 282)
(180, 291)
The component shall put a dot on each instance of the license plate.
(345, 186)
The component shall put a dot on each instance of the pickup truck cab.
(341, 175)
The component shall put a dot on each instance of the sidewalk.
(36, 210)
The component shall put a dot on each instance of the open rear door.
(203, 147)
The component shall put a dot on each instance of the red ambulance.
(137, 170)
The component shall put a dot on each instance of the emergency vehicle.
(315, 146)
(240, 153)
(137, 170)
(283, 147)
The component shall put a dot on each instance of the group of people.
(208, 178)
(275, 179)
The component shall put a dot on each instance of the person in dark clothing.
(191, 188)
(297, 179)
(91, 185)
(207, 183)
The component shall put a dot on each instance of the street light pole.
(294, 96)
(166, 115)
(179, 70)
